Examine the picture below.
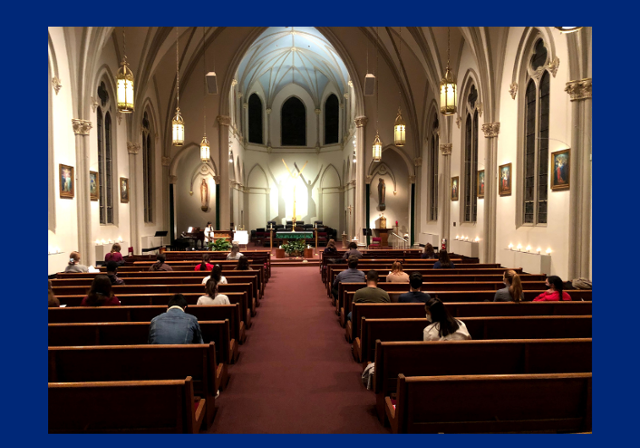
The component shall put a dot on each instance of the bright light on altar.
(538, 250)
(477, 239)
(548, 251)
(519, 247)
(528, 249)
(119, 239)
(457, 237)
(510, 246)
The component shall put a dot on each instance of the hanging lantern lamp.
(399, 130)
(178, 122)
(377, 148)
(205, 150)
(448, 90)
(125, 82)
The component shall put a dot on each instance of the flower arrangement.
(220, 244)
(293, 248)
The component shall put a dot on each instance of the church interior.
(475, 141)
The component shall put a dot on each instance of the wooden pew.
(559, 402)
(137, 333)
(240, 298)
(480, 328)
(146, 313)
(167, 406)
(505, 357)
(140, 363)
(464, 309)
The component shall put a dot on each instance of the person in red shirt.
(100, 293)
(115, 255)
(554, 292)
(205, 265)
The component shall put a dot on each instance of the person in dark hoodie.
(112, 270)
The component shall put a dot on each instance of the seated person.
(396, 274)
(554, 292)
(100, 293)
(414, 295)
(205, 265)
(243, 264)
(235, 253)
(211, 296)
(216, 273)
(115, 255)
(444, 326)
(330, 250)
(74, 263)
(444, 261)
(350, 275)
(513, 291)
(370, 293)
(352, 250)
(175, 326)
(53, 300)
(160, 264)
(112, 273)
(428, 252)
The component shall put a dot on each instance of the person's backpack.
(367, 376)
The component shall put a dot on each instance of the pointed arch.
(259, 170)
(324, 175)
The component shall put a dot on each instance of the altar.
(288, 235)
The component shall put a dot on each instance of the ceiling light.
(448, 104)
(177, 122)
(568, 29)
(125, 82)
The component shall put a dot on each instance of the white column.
(444, 193)
(81, 130)
(491, 131)
(359, 193)
(224, 121)
(133, 149)
(268, 139)
(318, 129)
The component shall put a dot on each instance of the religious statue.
(381, 193)
(204, 195)
(383, 221)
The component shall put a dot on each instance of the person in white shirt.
(235, 253)
(216, 273)
(444, 327)
(211, 296)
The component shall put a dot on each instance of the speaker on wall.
(369, 84)
(212, 83)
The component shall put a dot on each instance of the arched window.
(294, 123)
(331, 120)
(255, 119)
(536, 138)
(108, 166)
(433, 171)
(471, 158)
(147, 169)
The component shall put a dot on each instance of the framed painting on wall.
(67, 182)
(455, 186)
(480, 184)
(124, 189)
(560, 169)
(504, 180)
(93, 185)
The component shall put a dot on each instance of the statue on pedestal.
(383, 221)
(381, 193)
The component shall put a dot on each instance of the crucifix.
(294, 177)
(349, 208)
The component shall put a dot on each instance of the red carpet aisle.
(295, 373)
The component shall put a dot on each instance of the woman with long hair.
(211, 296)
(205, 265)
(216, 274)
(235, 253)
(74, 263)
(396, 274)
(100, 293)
(115, 255)
(243, 264)
(331, 249)
(444, 326)
(513, 290)
(444, 261)
(53, 300)
(160, 264)
(554, 292)
(428, 253)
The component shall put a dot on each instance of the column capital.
(224, 120)
(166, 161)
(173, 179)
(318, 111)
(417, 161)
(81, 127)
(579, 90)
(513, 90)
(412, 179)
(234, 82)
(133, 148)
(458, 121)
(57, 85)
(491, 130)
(245, 105)
(361, 121)
(368, 178)
(268, 111)
(446, 148)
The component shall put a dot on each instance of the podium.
(384, 236)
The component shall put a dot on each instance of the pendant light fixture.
(448, 101)
(377, 143)
(568, 29)
(178, 122)
(205, 149)
(125, 82)
(399, 126)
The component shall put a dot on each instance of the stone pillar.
(491, 131)
(444, 194)
(347, 115)
(361, 219)
(81, 130)
(133, 149)
(166, 216)
(318, 128)
(580, 169)
(224, 121)
(173, 230)
(268, 140)
(417, 210)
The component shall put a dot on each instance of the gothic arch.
(383, 169)
(175, 161)
(259, 168)
(527, 40)
(324, 174)
(408, 163)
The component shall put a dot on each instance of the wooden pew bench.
(548, 402)
(480, 328)
(141, 363)
(167, 406)
(505, 357)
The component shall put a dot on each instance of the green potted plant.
(294, 248)
(220, 244)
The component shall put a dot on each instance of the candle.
(477, 239)
(510, 246)
(519, 247)
(548, 250)
(528, 248)
(538, 250)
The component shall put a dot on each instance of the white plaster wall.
(555, 234)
